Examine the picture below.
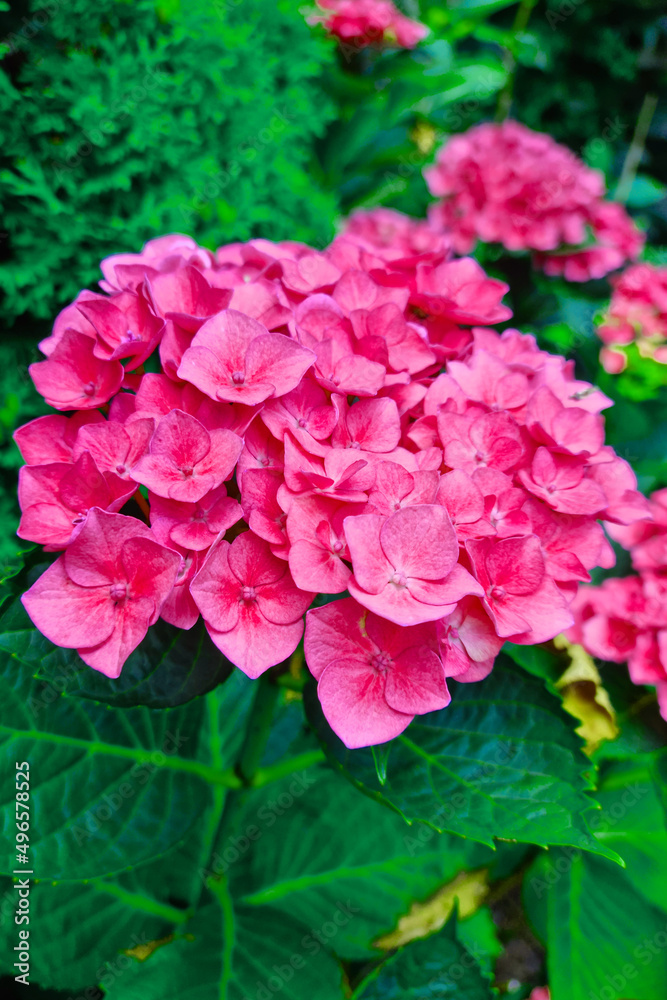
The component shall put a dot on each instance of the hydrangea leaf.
(438, 966)
(502, 760)
(335, 860)
(603, 938)
(100, 921)
(632, 822)
(113, 788)
(232, 953)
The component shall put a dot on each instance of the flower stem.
(142, 504)
(259, 727)
(636, 150)
(520, 24)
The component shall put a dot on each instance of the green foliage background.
(120, 121)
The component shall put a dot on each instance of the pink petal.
(277, 360)
(93, 559)
(69, 615)
(255, 644)
(353, 702)
(132, 621)
(416, 682)
(216, 591)
(316, 569)
(420, 542)
(335, 631)
(371, 568)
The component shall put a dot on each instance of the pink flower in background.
(637, 314)
(104, 592)
(624, 620)
(360, 23)
(373, 676)
(506, 184)
(540, 993)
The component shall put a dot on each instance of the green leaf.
(232, 953)
(645, 191)
(99, 920)
(436, 966)
(479, 935)
(481, 8)
(169, 668)
(502, 760)
(537, 660)
(632, 822)
(603, 939)
(324, 854)
(112, 788)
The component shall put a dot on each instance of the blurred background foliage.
(233, 119)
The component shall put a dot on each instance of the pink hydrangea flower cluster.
(322, 423)
(625, 619)
(359, 24)
(637, 314)
(504, 183)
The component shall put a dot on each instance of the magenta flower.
(468, 642)
(103, 593)
(73, 377)
(55, 499)
(185, 460)
(373, 676)
(405, 566)
(115, 446)
(395, 487)
(252, 608)
(517, 594)
(195, 526)
(360, 23)
(125, 327)
(477, 439)
(235, 358)
(318, 547)
(560, 481)
(51, 438)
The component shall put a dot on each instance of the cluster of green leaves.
(194, 833)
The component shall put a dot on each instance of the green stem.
(265, 775)
(259, 727)
(211, 774)
(143, 903)
(520, 24)
(636, 150)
